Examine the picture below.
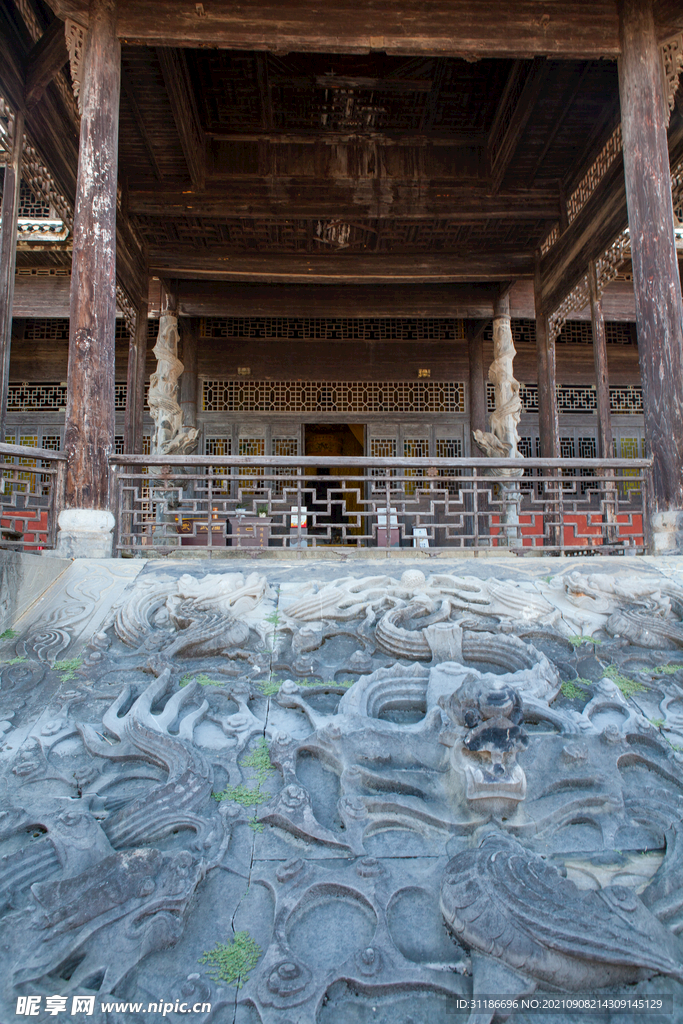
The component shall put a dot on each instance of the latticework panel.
(284, 446)
(578, 398)
(333, 396)
(334, 328)
(628, 399)
(415, 448)
(219, 446)
(574, 332)
(578, 509)
(50, 396)
(32, 206)
(596, 172)
(47, 329)
(36, 397)
(449, 448)
(383, 447)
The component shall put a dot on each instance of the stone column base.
(667, 533)
(85, 533)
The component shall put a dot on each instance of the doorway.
(335, 500)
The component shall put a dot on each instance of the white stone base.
(667, 533)
(85, 533)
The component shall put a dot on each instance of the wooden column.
(601, 371)
(475, 345)
(89, 434)
(135, 391)
(548, 420)
(189, 333)
(8, 257)
(659, 311)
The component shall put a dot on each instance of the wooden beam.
(8, 251)
(456, 28)
(657, 285)
(519, 98)
(129, 93)
(48, 123)
(570, 94)
(668, 19)
(90, 419)
(315, 136)
(497, 265)
(45, 60)
(217, 298)
(264, 92)
(598, 223)
(348, 197)
(601, 370)
(181, 96)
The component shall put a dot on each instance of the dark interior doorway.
(328, 498)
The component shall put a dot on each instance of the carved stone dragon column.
(170, 436)
(502, 439)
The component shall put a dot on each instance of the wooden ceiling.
(340, 155)
(422, 141)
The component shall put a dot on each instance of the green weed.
(242, 795)
(578, 641)
(269, 687)
(9, 634)
(67, 668)
(202, 679)
(627, 686)
(657, 722)
(255, 826)
(16, 661)
(667, 670)
(570, 690)
(231, 962)
(248, 796)
(260, 761)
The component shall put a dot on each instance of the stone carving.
(395, 771)
(517, 910)
(190, 616)
(502, 440)
(642, 609)
(170, 436)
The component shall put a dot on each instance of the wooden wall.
(284, 360)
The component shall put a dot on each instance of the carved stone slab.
(339, 796)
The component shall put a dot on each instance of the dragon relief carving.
(448, 787)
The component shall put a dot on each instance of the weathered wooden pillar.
(608, 491)
(601, 370)
(87, 522)
(548, 419)
(135, 391)
(659, 311)
(475, 346)
(8, 257)
(189, 332)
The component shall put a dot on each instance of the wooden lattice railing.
(559, 505)
(31, 495)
